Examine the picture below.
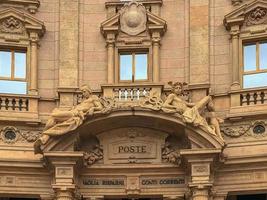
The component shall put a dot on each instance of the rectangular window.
(133, 67)
(13, 66)
(255, 65)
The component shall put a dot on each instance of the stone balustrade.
(19, 107)
(130, 93)
(248, 102)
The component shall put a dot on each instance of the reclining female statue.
(61, 122)
(190, 112)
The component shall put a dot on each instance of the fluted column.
(111, 59)
(155, 56)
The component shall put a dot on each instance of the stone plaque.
(159, 182)
(132, 145)
(99, 182)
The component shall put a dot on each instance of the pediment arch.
(162, 123)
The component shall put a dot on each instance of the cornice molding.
(30, 5)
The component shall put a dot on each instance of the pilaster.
(68, 50)
(64, 166)
(199, 42)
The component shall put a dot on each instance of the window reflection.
(13, 72)
(255, 65)
(133, 67)
(5, 64)
(263, 56)
(250, 57)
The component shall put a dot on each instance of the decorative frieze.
(254, 129)
(10, 134)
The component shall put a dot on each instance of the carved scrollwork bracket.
(94, 155)
(170, 155)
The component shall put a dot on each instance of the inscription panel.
(132, 145)
(138, 149)
(159, 182)
(101, 182)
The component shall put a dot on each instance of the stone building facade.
(177, 106)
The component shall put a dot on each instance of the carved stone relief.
(170, 155)
(200, 114)
(12, 25)
(254, 129)
(256, 16)
(10, 134)
(94, 155)
(133, 18)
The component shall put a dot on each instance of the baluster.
(262, 95)
(13, 104)
(125, 94)
(120, 93)
(248, 98)
(255, 96)
(145, 92)
(20, 104)
(132, 94)
(27, 104)
(241, 99)
(138, 94)
(6, 103)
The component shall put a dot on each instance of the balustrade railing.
(253, 98)
(14, 103)
(130, 93)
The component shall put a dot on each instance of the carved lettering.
(132, 149)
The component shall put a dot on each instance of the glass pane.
(255, 80)
(126, 67)
(263, 56)
(20, 65)
(140, 66)
(249, 57)
(13, 87)
(5, 64)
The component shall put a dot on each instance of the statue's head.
(177, 87)
(86, 91)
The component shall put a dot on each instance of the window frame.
(133, 54)
(13, 50)
(128, 50)
(257, 42)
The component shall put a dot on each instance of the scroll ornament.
(94, 155)
(170, 155)
(257, 16)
